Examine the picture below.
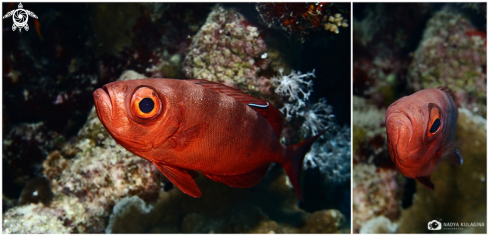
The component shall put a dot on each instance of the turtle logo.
(20, 17)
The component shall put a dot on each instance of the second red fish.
(421, 130)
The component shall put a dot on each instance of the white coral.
(294, 85)
(316, 118)
(332, 156)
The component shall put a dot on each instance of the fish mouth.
(399, 128)
(103, 103)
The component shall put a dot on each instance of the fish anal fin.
(271, 114)
(245, 180)
(183, 139)
(182, 178)
(426, 181)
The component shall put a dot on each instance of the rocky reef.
(447, 42)
(301, 19)
(228, 50)
(452, 53)
(103, 179)
(63, 173)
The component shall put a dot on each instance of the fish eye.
(434, 127)
(435, 121)
(145, 103)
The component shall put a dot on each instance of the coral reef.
(439, 35)
(101, 175)
(127, 215)
(382, 36)
(37, 190)
(49, 79)
(270, 208)
(48, 98)
(379, 225)
(300, 19)
(228, 50)
(25, 146)
(376, 192)
(452, 53)
(90, 183)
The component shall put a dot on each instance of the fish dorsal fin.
(426, 181)
(182, 178)
(245, 180)
(446, 90)
(267, 110)
(449, 92)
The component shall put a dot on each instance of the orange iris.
(435, 121)
(145, 103)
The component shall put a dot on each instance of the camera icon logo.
(434, 225)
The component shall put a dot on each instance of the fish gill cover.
(51, 129)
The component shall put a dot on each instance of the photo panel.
(419, 118)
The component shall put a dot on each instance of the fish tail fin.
(293, 161)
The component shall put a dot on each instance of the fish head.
(417, 128)
(139, 114)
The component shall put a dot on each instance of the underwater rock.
(271, 206)
(64, 215)
(383, 35)
(377, 186)
(323, 221)
(37, 190)
(130, 211)
(228, 50)
(369, 137)
(460, 194)
(96, 178)
(101, 174)
(25, 147)
(376, 192)
(452, 53)
(379, 225)
(300, 19)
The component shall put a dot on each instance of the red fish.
(184, 126)
(421, 133)
(38, 28)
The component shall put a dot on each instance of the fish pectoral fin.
(182, 178)
(183, 139)
(425, 180)
(245, 180)
(450, 152)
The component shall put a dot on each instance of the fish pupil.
(434, 127)
(146, 105)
